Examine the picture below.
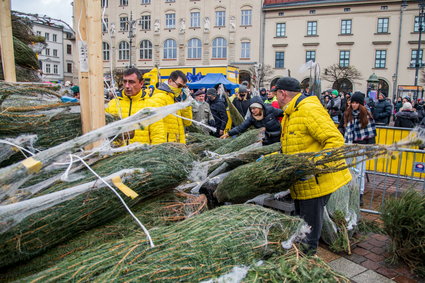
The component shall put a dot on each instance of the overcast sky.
(58, 9)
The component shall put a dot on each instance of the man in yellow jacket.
(131, 100)
(307, 127)
(169, 93)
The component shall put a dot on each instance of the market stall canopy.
(210, 80)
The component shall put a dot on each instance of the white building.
(52, 57)
(70, 68)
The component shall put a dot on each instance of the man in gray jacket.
(201, 110)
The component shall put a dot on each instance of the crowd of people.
(403, 112)
(301, 122)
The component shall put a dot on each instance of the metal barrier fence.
(389, 177)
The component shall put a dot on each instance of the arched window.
(124, 51)
(105, 47)
(194, 49)
(170, 49)
(145, 50)
(219, 48)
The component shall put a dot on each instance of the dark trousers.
(311, 210)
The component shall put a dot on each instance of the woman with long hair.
(359, 127)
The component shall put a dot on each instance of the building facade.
(149, 33)
(70, 69)
(51, 58)
(374, 36)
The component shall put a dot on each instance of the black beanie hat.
(289, 84)
(212, 91)
(358, 97)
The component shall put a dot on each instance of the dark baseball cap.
(289, 84)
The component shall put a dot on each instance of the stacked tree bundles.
(63, 210)
(28, 109)
(199, 248)
(292, 268)
(404, 222)
(278, 172)
(158, 211)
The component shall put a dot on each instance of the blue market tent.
(210, 80)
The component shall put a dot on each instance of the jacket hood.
(257, 99)
(407, 114)
(165, 87)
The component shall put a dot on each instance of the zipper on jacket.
(129, 114)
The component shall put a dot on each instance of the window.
(195, 19)
(170, 1)
(413, 58)
(47, 51)
(344, 58)
(69, 67)
(194, 49)
(281, 14)
(279, 61)
(105, 24)
(47, 36)
(310, 56)
(104, 3)
(219, 48)
(246, 50)
(124, 51)
(145, 22)
(384, 8)
(105, 48)
(170, 49)
(68, 49)
(170, 20)
(123, 2)
(347, 9)
(55, 52)
(345, 26)
(38, 33)
(55, 37)
(280, 29)
(220, 18)
(312, 28)
(146, 50)
(416, 26)
(383, 25)
(246, 18)
(145, 2)
(312, 12)
(47, 68)
(55, 69)
(380, 58)
(124, 23)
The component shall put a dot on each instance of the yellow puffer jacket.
(124, 106)
(174, 126)
(307, 127)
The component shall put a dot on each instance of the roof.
(212, 79)
(287, 3)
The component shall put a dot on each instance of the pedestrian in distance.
(406, 117)
(359, 128)
(218, 110)
(382, 111)
(241, 102)
(307, 127)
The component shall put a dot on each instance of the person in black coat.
(382, 111)
(406, 118)
(263, 94)
(262, 116)
(241, 101)
(218, 110)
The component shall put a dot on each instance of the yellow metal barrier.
(402, 161)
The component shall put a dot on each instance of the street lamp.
(418, 52)
(394, 77)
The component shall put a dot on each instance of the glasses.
(179, 85)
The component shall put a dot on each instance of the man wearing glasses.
(128, 102)
(166, 94)
(307, 127)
